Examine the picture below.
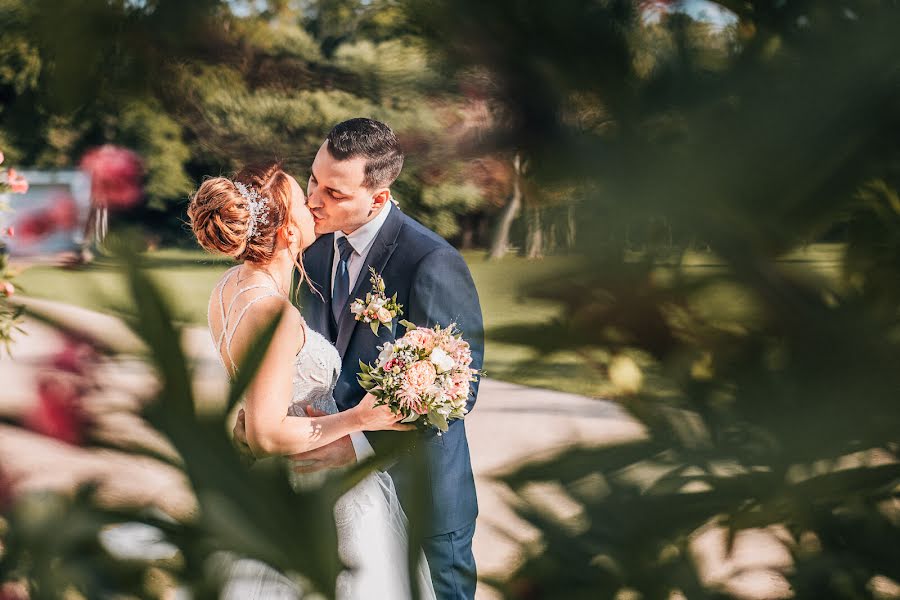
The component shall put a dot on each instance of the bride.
(260, 219)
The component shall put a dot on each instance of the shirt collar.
(363, 237)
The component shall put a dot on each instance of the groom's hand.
(339, 453)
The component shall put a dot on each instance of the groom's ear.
(380, 198)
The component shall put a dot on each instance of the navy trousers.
(452, 563)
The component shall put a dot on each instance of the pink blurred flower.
(75, 357)
(10, 231)
(17, 183)
(116, 175)
(7, 289)
(35, 226)
(14, 590)
(63, 212)
(59, 413)
(1, 158)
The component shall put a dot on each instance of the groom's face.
(336, 195)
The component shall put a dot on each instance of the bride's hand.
(379, 418)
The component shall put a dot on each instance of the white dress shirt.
(362, 241)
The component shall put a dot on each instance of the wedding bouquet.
(424, 376)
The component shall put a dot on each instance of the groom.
(360, 227)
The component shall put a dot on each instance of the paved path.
(510, 424)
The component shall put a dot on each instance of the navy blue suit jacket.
(434, 286)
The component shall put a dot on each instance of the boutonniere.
(377, 309)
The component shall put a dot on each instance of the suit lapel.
(382, 248)
(317, 261)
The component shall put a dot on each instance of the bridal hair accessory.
(258, 207)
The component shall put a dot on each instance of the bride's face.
(301, 218)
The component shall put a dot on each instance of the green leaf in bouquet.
(408, 324)
(411, 418)
(375, 325)
(438, 420)
(364, 367)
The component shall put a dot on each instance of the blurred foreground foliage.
(56, 545)
(747, 137)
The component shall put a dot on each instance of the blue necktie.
(341, 280)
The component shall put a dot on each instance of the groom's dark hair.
(373, 140)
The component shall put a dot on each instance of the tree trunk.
(534, 247)
(570, 230)
(467, 237)
(500, 244)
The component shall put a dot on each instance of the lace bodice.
(317, 365)
(316, 372)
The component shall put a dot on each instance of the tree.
(500, 244)
(228, 83)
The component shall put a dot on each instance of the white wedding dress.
(371, 526)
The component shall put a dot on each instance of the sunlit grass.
(188, 277)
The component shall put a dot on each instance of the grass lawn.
(188, 278)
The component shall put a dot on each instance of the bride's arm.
(269, 429)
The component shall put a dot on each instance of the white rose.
(386, 353)
(441, 360)
(357, 307)
(384, 315)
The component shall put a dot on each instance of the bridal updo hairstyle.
(220, 215)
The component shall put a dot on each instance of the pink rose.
(17, 183)
(421, 339)
(420, 375)
(7, 289)
(394, 362)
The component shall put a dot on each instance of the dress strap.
(221, 290)
(230, 336)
